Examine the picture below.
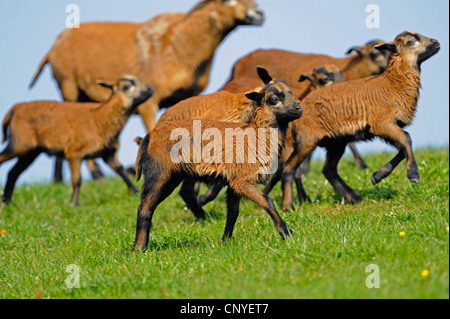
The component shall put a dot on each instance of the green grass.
(327, 257)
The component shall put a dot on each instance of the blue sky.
(28, 29)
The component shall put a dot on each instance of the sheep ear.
(138, 140)
(306, 76)
(107, 85)
(388, 47)
(255, 96)
(358, 50)
(264, 75)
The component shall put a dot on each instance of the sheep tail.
(39, 71)
(6, 122)
(143, 147)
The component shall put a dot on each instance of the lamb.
(219, 106)
(320, 77)
(275, 108)
(74, 131)
(378, 106)
(288, 65)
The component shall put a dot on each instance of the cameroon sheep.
(320, 77)
(74, 131)
(288, 65)
(378, 106)
(219, 106)
(275, 108)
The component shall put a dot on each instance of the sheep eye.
(127, 87)
(411, 42)
(324, 81)
(273, 100)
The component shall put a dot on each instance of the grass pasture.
(401, 228)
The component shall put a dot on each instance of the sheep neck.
(354, 67)
(199, 34)
(110, 117)
(404, 78)
(243, 110)
(263, 117)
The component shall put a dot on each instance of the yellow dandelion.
(402, 234)
(425, 273)
(447, 228)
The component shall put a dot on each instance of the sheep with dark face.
(70, 130)
(275, 108)
(377, 106)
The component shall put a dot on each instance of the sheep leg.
(359, 161)
(95, 170)
(233, 201)
(287, 177)
(187, 193)
(75, 164)
(387, 169)
(299, 172)
(402, 141)
(154, 191)
(148, 111)
(334, 154)
(22, 164)
(253, 193)
(304, 168)
(58, 171)
(273, 181)
(210, 195)
(197, 188)
(114, 163)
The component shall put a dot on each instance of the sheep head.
(238, 12)
(376, 58)
(131, 89)
(276, 97)
(416, 47)
(323, 76)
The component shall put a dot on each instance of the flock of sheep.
(108, 71)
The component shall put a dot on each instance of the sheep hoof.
(289, 209)
(134, 191)
(361, 165)
(414, 177)
(286, 232)
(97, 174)
(376, 178)
(353, 198)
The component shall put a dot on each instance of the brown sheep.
(173, 52)
(219, 106)
(276, 107)
(320, 77)
(378, 106)
(288, 65)
(71, 130)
